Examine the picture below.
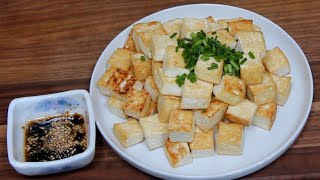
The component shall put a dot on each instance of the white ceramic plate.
(260, 147)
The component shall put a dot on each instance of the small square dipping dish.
(21, 110)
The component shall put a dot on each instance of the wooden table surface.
(52, 46)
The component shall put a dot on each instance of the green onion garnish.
(180, 79)
(143, 58)
(243, 61)
(201, 46)
(192, 77)
(177, 48)
(251, 55)
(173, 35)
(213, 66)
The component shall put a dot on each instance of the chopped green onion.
(201, 46)
(205, 57)
(173, 35)
(243, 61)
(198, 43)
(193, 35)
(204, 110)
(227, 29)
(214, 33)
(234, 64)
(180, 79)
(143, 58)
(213, 66)
(230, 69)
(192, 77)
(251, 55)
(177, 49)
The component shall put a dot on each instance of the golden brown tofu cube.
(229, 139)
(276, 62)
(166, 104)
(242, 113)
(203, 144)
(231, 90)
(181, 126)
(177, 153)
(137, 104)
(240, 25)
(128, 133)
(265, 116)
(141, 66)
(263, 93)
(120, 59)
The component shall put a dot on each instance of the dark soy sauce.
(55, 137)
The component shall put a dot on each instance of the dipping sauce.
(55, 137)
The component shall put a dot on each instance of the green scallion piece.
(205, 57)
(192, 77)
(173, 35)
(251, 55)
(243, 61)
(143, 58)
(177, 49)
(234, 64)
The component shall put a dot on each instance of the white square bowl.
(27, 108)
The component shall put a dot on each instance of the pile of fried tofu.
(200, 118)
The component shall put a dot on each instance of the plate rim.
(234, 174)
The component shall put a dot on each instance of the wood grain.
(52, 46)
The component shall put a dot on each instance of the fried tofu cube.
(166, 85)
(177, 153)
(251, 41)
(115, 106)
(166, 104)
(276, 62)
(196, 95)
(231, 90)
(159, 44)
(209, 75)
(224, 22)
(137, 104)
(155, 65)
(206, 119)
(283, 84)
(263, 93)
(144, 40)
(128, 133)
(240, 25)
(117, 82)
(141, 66)
(242, 113)
(142, 33)
(203, 144)
(229, 139)
(120, 59)
(155, 132)
(181, 126)
(173, 26)
(252, 72)
(224, 37)
(129, 43)
(151, 88)
(265, 116)
(143, 27)
(213, 25)
(190, 25)
(173, 62)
